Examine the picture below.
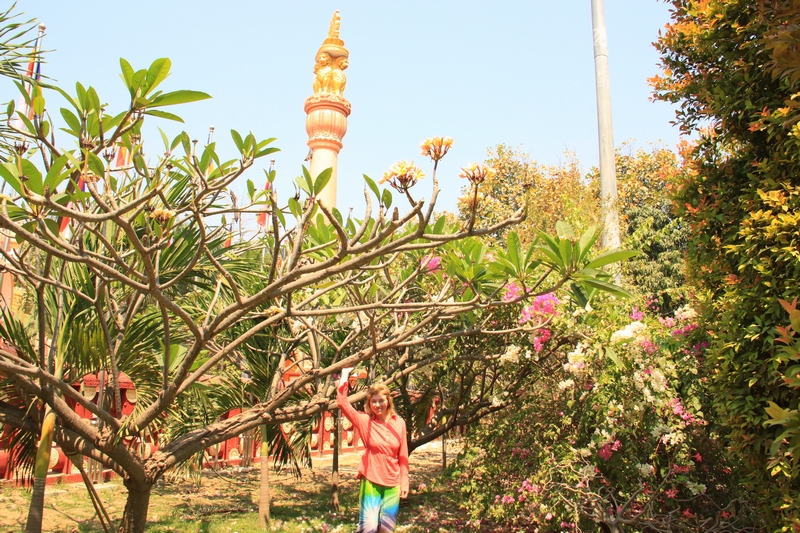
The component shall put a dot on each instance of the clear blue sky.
(519, 73)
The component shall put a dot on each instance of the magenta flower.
(636, 314)
(648, 346)
(542, 336)
(512, 292)
(431, 262)
(605, 452)
(544, 306)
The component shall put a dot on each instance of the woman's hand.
(345, 375)
(404, 493)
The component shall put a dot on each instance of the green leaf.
(611, 257)
(295, 208)
(322, 179)
(372, 186)
(136, 84)
(438, 228)
(157, 72)
(614, 357)
(8, 172)
(777, 414)
(178, 97)
(96, 164)
(564, 230)
(28, 124)
(71, 120)
(55, 175)
(607, 287)
(163, 114)
(309, 182)
(38, 105)
(588, 239)
(266, 151)
(386, 198)
(127, 74)
(514, 248)
(34, 182)
(251, 189)
(237, 140)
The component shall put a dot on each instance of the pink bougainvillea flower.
(431, 262)
(542, 336)
(648, 346)
(605, 452)
(512, 292)
(636, 314)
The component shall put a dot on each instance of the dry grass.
(227, 501)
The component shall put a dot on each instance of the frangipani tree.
(140, 281)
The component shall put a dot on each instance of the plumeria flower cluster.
(162, 216)
(476, 173)
(436, 147)
(402, 175)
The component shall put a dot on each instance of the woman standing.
(384, 465)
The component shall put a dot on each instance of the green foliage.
(645, 183)
(725, 64)
(619, 435)
(551, 194)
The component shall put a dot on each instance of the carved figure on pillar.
(331, 62)
(327, 109)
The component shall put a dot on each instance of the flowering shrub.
(620, 434)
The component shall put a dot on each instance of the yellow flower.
(477, 173)
(402, 175)
(436, 147)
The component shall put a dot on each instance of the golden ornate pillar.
(327, 110)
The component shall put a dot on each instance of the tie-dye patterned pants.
(377, 509)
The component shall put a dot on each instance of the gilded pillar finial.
(333, 30)
(331, 62)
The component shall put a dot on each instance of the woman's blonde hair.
(380, 388)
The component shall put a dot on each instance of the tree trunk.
(444, 451)
(40, 468)
(264, 497)
(35, 511)
(134, 518)
(337, 445)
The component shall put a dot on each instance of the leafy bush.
(622, 435)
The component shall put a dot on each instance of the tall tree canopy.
(731, 68)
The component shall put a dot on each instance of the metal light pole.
(608, 174)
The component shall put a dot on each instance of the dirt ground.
(235, 490)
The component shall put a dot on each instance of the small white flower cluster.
(645, 470)
(586, 472)
(686, 313)
(511, 355)
(696, 488)
(576, 360)
(566, 384)
(631, 331)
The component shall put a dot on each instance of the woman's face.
(379, 405)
